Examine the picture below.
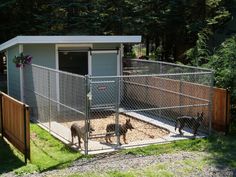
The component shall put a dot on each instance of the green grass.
(184, 145)
(46, 153)
(221, 151)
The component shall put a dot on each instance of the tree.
(223, 62)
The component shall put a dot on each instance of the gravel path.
(179, 164)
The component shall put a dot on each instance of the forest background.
(199, 32)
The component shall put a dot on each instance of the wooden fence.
(221, 110)
(15, 123)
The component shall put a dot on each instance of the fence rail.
(15, 123)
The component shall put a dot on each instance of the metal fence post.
(49, 99)
(180, 95)
(87, 110)
(117, 85)
(210, 106)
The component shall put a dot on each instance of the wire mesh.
(57, 99)
(129, 110)
(140, 67)
(152, 104)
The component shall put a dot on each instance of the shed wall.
(13, 73)
(43, 54)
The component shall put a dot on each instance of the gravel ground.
(142, 130)
(179, 164)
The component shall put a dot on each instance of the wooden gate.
(15, 123)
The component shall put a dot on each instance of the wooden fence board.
(221, 109)
(15, 123)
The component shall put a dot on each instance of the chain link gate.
(103, 96)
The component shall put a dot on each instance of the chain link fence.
(57, 99)
(139, 108)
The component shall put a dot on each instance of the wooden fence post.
(1, 114)
(25, 136)
(227, 112)
(26, 127)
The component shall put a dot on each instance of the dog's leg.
(72, 139)
(176, 124)
(119, 140)
(124, 138)
(180, 128)
(106, 138)
(110, 139)
(83, 138)
(79, 142)
(195, 129)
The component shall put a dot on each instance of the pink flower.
(18, 65)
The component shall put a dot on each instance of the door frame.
(57, 46)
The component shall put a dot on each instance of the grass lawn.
(46, 153)
(221, 150)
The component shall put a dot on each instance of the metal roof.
(69, 40)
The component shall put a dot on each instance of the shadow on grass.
(62, 164)
(8, 160)
(223, 149)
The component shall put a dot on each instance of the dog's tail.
(176, 123)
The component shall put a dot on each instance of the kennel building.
(86, 80)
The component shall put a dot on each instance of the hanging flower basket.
(22, 60)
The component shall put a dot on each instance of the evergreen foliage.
(223, 61)
(172, 25)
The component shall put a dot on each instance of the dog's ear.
(202, 114)
(198, 114)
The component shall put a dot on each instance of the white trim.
(56, 57)
(118, 62)
(103, 51)
(69, 40)
(74, 45)
(89, 64)
(121, 58)
(122, 50)
(70, 46)
(21, 77)
(7, 61)
(57, 75)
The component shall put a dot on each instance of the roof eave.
(69, 40)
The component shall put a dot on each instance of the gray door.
(103, 89)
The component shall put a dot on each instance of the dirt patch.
(142, 130)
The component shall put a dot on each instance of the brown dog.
(80, 132)
(123, 129)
